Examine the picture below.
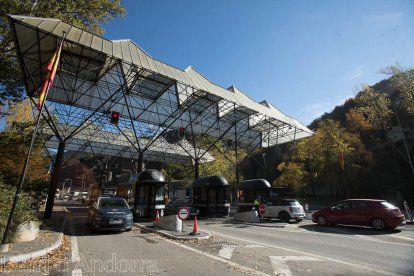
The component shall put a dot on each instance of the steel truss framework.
(97, 76)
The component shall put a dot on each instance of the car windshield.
(387, 205)
(113, 203)
(293, 203)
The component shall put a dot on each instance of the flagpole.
(26, 163)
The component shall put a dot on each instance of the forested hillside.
(363, 148)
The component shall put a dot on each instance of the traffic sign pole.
(183, 214)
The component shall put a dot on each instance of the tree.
(403, 79)
(333, 157)
(85, 14)
(14, 141)
(356, 122)
(293, 176)
(376, 107)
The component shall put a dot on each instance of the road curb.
(204, 236)
(37, 253)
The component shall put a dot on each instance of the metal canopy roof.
(98, 76)
(115, 144)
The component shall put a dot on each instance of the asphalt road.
(307, 249)
(137, 253)
(299, 249)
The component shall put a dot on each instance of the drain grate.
(221, 244)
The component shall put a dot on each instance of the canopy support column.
(54, 180)
(140, 168)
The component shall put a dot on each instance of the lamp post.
(409, 161)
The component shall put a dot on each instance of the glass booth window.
(220, 195)
(212, 195)
(159, 195)
(197, 194)
(142, 193)
(203, 194)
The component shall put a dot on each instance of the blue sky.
(305, 57)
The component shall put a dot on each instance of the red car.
(379, 214)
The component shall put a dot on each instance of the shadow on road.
(348, 230)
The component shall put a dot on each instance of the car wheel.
(322, 221)
(284, 217)
(378, 224)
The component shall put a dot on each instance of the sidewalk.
(186, 234)
(50, 237)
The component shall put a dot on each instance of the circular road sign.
(183, 213)
(262, 209)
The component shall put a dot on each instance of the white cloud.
(316, 110)
(356, 73)
(380, 22)
(384, 19)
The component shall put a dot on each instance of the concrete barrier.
(26, 231)
(249, 216)
(171, 223)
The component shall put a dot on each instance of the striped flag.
(50, 75)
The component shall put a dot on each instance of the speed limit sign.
(183, 213)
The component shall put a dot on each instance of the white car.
(285, 210)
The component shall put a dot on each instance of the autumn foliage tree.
(333, 157)
(14, 143)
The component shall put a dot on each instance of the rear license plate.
(115, 221)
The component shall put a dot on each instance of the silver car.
(285, 210)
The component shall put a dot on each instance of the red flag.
(50, 75)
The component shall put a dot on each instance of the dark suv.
(379, 214)
(110, 213)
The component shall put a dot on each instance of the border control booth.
(149, 194)
(249, 190)
(211, 195)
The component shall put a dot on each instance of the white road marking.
(226, 252)
(254, 246)
(76, 272)
(75, 257)
(299, 252)
(230, 263)
(280, 266)
(75, 251)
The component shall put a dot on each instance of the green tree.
(333, 157)
(25, 209)
(376, 107)
(86, 14)
(403, 79)
(293, 176)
